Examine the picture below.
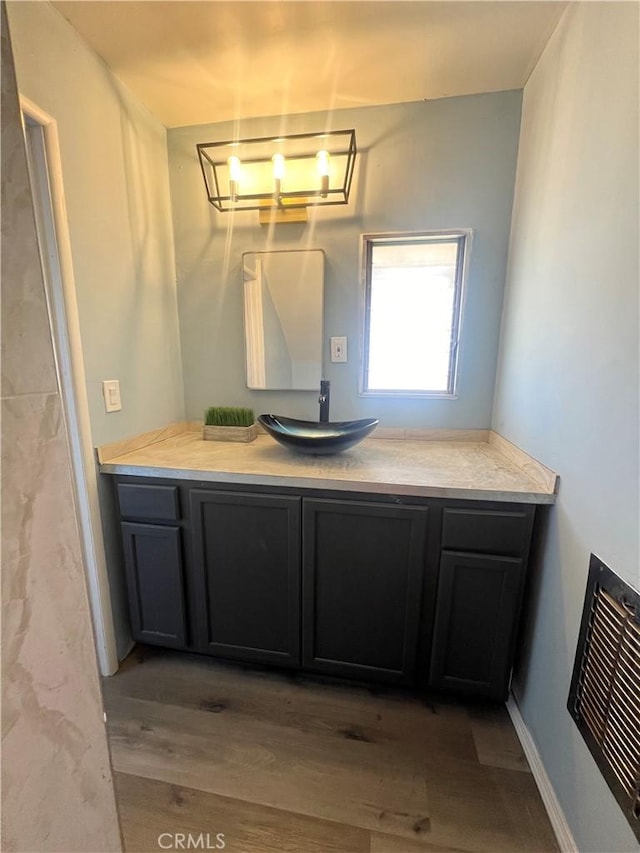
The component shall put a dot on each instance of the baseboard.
(130, 647)
(558, 821)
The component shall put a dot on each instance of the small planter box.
(229, 433)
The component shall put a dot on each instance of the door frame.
(47, 191)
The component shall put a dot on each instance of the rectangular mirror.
(283, 305)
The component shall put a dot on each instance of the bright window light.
(412, 312)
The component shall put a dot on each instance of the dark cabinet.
(246, 550)
(480, 582)
(148, 501)
(155, 583)
(476, 616)
(506, 532)
(153, 560)
(414, 591)
(362, 577)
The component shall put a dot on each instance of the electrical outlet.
(111, 394)
(338, 350)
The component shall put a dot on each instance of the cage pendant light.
(279, 174)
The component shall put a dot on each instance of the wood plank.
(480, 808)
(392, 844)
(496, 742)
(382, 761)
(149, 808)
(411, 725)
(527, 815)
(343, 781)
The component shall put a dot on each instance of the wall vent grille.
(604, 698)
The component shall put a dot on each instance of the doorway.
(45, 174)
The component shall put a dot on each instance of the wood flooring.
(268, 762)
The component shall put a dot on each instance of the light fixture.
(234, 177)
(322, 159)
(279, 175)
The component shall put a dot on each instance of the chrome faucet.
(324, 400)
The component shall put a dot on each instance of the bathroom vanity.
(400, 561)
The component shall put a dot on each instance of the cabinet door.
(246, 551)
(153, 565)
(477, 610)
(362, 580)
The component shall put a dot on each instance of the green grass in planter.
(228, 416)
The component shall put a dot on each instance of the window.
(413, 298)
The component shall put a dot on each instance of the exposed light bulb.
(322, 162)
(234, 177)
(278, 173)
(278, 166)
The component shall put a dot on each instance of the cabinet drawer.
(487, 531)
(148, 502)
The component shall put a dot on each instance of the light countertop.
(490, 469)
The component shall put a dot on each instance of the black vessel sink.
(319, 439)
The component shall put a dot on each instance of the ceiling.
(194, 62)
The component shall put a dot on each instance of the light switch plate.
(111, 394)
(339, 350)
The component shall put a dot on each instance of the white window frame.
(463, 236)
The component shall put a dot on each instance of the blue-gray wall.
(114, 164)
(430, 165)
(568, 381)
